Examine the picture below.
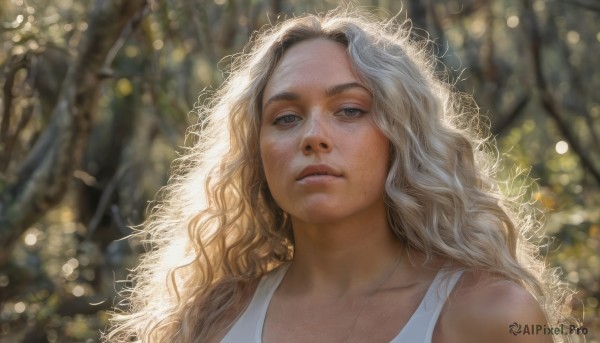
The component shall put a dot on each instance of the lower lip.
(318, 179)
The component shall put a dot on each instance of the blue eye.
(286, 119)
(351, 112)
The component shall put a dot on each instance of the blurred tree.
(42, 176)
(39, 179)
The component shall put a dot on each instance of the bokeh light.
(562, 147)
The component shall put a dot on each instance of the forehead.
(314, 63)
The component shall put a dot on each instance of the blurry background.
(96, 97)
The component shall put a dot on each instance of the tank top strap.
(248, 326)
(420, 326)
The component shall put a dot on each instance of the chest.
(378, 318)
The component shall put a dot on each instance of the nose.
(316, 136)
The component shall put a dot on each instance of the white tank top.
(419, 328)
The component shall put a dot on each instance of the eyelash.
(355, 113)
(358, 112)
(281, 119)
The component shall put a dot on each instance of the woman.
(336, 193)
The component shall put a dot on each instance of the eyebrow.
(337, 89)
(283, 96)
(329, 92)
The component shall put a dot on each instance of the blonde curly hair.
(217, 229)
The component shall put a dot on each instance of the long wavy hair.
(217, 229)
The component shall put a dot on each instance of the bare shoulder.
(482, 308)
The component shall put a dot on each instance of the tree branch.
(512, 115)
(9, 143)
(15, 64)
(584, 5)
(43, 176)
(547, 100)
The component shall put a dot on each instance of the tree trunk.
(43, 177)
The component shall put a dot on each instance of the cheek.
(377, 158)
(384, 152)
(273, 157)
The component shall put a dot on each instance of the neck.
(343, 258)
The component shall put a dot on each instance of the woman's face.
(324, 158)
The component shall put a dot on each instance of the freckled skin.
(306, 120)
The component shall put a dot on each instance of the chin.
(319, 215)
